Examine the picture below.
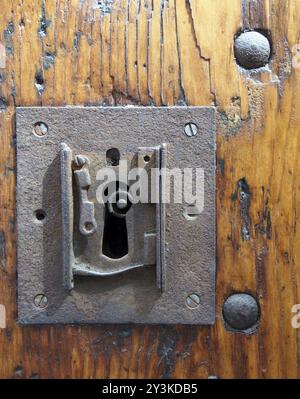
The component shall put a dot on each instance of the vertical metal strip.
(158, 216)
(162, 188)
(67, 215)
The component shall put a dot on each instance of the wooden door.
(168, 52)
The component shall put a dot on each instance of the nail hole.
(40, 215)
(39, 82)
(39, 78)
(147, 158)
(113, 157)
(89, 226)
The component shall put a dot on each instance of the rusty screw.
(40, 129)
(80, 160)
(191, 129)
(41, 301)
(193, 301)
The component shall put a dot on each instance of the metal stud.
(241, 312)
(252, 50)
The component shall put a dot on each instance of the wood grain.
(167, 52)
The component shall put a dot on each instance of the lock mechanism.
(116, 215)
(128, 235)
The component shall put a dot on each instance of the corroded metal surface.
(241, 313)
(252, 50)
(189, 242)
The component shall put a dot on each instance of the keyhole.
(115, 238)
(115, 235)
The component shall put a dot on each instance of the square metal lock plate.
(122, 260)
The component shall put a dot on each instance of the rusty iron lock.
(128, 236)
(121, 260)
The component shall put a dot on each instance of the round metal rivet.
(252, 50)
(241, 312)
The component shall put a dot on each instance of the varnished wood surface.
(167, 52)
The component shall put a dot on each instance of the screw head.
(241, 312)
(191, 129)
(41, 301)
(80, 160)
(252, 50)
(193, 301)
(40, 129)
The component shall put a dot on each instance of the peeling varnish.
(2, 56)
(2, 248)
(2, 317)
(44, 22)
(8, 36)
(105, 6)
(245, 201)
(264, 225)
(48, 60)
(231, 120)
